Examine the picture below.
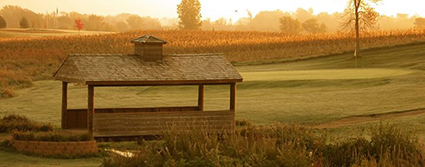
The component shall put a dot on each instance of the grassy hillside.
(20, 160)
(16, 33)
(30, 59)
(310, 92)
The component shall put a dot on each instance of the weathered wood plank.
(90, 109)
(161, 124)
(162, 83)
(82, 120)
(233, 96)
(64, 105)
(166, 118)
(155, 128)
(201, 92)
(148, 109)
(161, 121)
(165, 114)
(151, 132)
(134, 124)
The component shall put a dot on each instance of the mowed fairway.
(334, 74)
(16, 33)
(310, 92)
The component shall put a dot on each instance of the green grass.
(307, 92)
(31, 33)
(20, 160)
(311, 91)
(329, 74)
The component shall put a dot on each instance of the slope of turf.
(308, 92)
(11, 33)
(20, 160)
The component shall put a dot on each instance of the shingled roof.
(107, 69)
(148, 39)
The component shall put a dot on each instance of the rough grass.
(264, 101)
(16, 122)
(329, 74)
(277, 145)
(54, 136)
(15, 33)
(267, 100)
(21, 160)
(31, 59)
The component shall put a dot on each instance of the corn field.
(25, 60)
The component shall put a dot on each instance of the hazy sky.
(210, 8)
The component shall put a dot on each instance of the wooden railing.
(156, 123)
(77, 118)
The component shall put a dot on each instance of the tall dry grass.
(277, 145)
(25, 60)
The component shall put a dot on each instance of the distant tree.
(360, 16)
(189, 12)
(267, 20)
(289, 25)
(136, 22)
(323, 28)
(313, 27)
(79, 25)
(121, 26)
(302, 15)
(329, 20)
(13, 15)
(207, 24)
(2, 22)
(23, 23)
(419, 23)
(94, 23)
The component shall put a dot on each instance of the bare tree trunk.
(356, 8)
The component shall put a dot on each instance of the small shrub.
(16, 122)
(389, 146)
(251, 146)
(6, 93)
(243, 122)
(53, 136)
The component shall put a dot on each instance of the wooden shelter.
(146, 67)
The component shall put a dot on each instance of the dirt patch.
(369, 118)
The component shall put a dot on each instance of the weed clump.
(15, 122)
(53, 136)
(276, 145)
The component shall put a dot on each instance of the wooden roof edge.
(159, 83)
(132, 54)
(196, 54)
(99, 54)
(63, 62)
(145, 38)
(69, 80)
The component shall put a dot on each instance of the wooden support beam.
(90, 110)
(201, 92)
(233, 96)
(64, 104)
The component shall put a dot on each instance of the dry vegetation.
(24, 60)
(277, 145)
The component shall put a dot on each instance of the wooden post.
(64, 104)
(201, 91)
(90, 110)
(233, 96)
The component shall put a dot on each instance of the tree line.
(300, 21)
(16, 17)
